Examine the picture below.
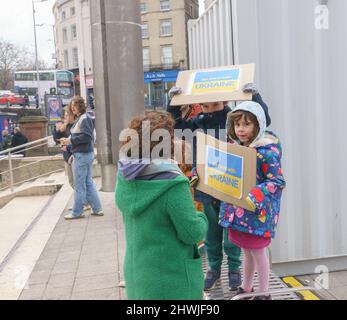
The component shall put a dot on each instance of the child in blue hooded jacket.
(252, 231)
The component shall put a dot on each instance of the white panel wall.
(301, 73)
(210, 37)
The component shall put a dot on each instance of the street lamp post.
(54, 40)
(36, 55)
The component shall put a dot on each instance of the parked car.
(12, 99)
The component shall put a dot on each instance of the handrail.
(8, 155)
(23, 166)
(26, 149)
(34, 178)
(22, 147)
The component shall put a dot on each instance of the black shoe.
(212, 279)
(263, 297)
(234, 280)
(242, 291)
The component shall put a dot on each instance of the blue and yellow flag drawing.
(224, 172)
(216, 81)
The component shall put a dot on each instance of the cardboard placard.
(226, 171)
(214, 84)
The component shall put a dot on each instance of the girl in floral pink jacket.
(252, 231)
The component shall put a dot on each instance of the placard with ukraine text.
(227, 172)
(213, 84)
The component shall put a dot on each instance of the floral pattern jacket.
(265, 197)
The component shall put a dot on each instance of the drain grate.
(221, 292)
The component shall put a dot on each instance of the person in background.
(37, 100)
(6, 142)
(18, 139)
(26, 100)
(62, 130)
(82, 148)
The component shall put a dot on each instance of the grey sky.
(16, 25)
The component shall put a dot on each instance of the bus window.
(46, 76)
(27, 76)
(65, 76)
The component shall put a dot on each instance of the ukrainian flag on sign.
(224, 172)
(216, 81)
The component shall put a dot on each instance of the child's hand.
(250, 87)
(174, 90)
(65, 141)
(186, 110)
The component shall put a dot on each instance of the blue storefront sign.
(163, 76)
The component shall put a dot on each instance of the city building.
(73, 42)
(165, 45)
(164, 36)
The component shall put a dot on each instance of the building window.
(143, 7)
(63, 15)
(66, 59)
(64, 35)
(166, 56)
(164, 5)
(73, 32)
(72, 11)
(165, 28)
(75, 58)
(145, 31)
(146, 60)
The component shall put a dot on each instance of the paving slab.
(83, 258)
(96, 282)
(104, 294)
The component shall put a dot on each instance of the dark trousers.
(214, 241)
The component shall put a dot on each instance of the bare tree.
(12, 58)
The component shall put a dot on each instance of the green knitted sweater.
(162, 229)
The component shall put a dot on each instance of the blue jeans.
(85, 189)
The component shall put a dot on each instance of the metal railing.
(17, 153)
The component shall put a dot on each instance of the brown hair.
(67, 109)
(183, 155)
(79, 102)
(248, 117)
(157, 120)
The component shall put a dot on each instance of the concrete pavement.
(82, 259)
